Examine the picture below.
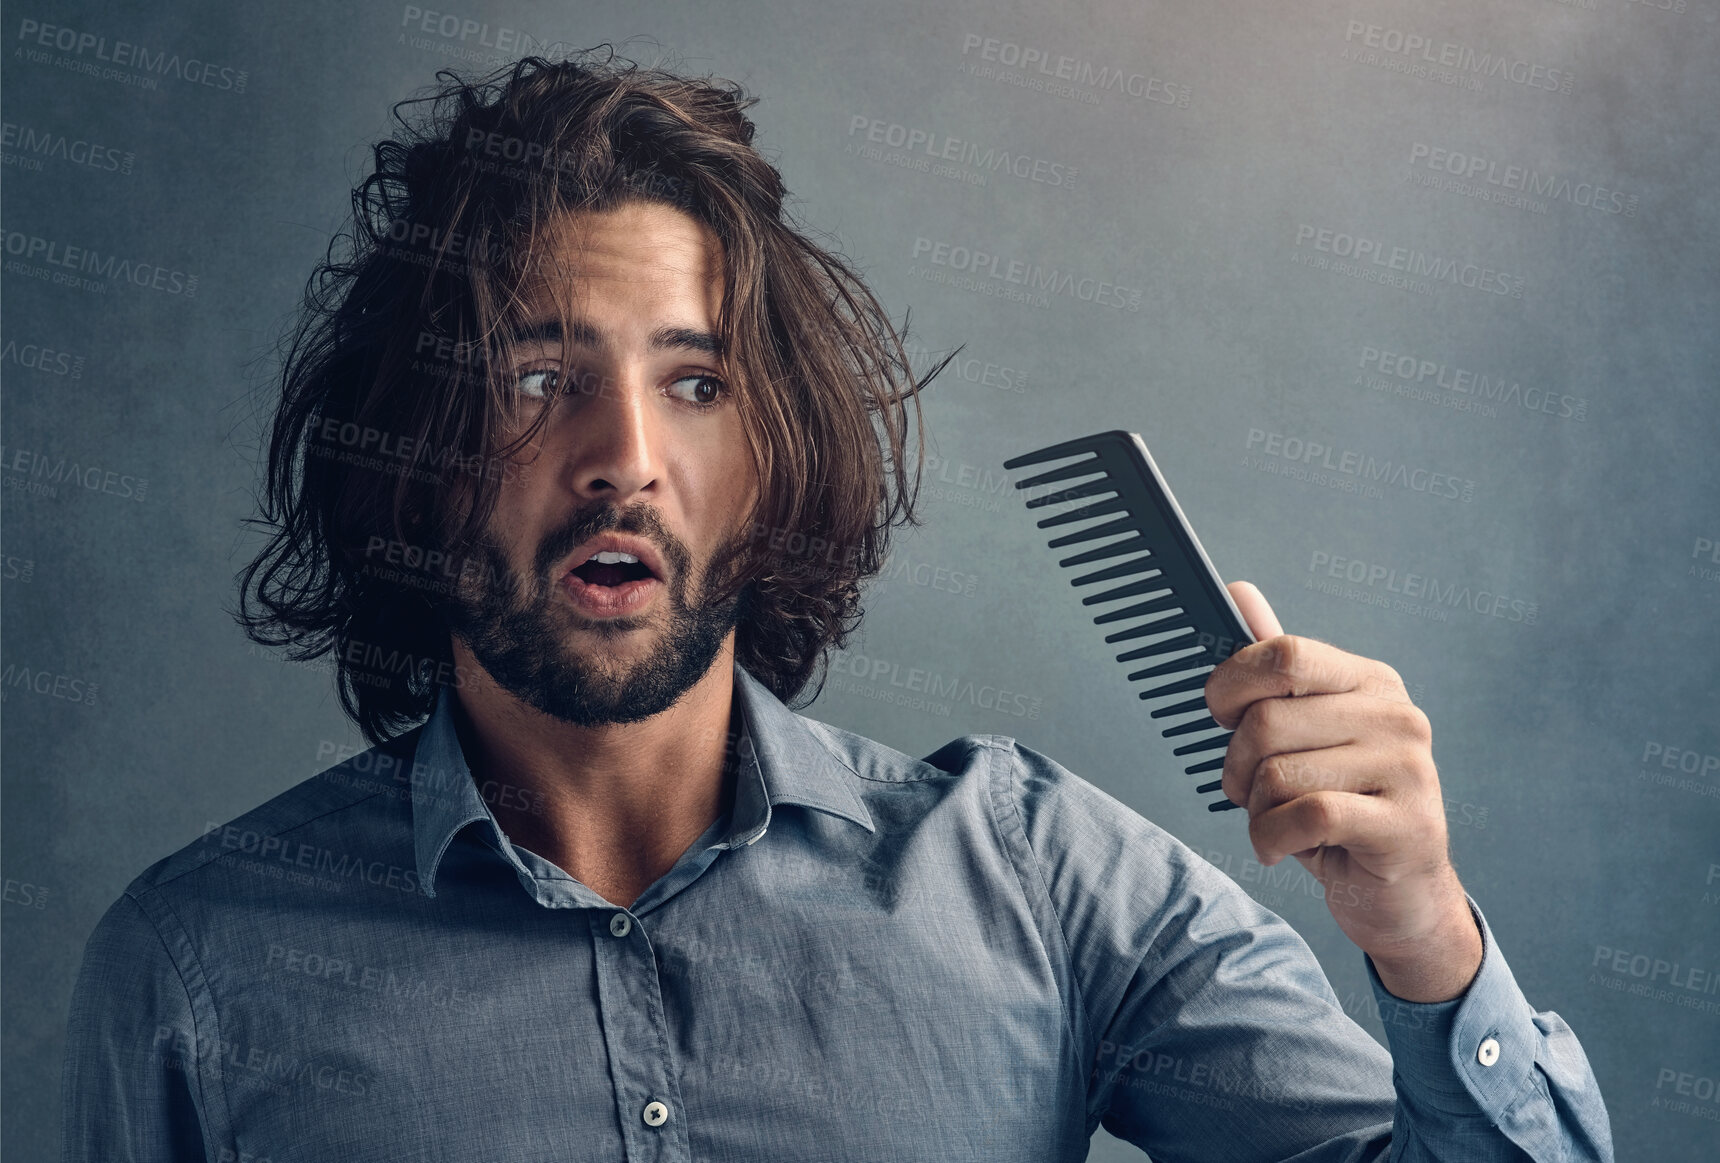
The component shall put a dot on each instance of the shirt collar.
(782, 761)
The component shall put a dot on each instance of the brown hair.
(386, 452)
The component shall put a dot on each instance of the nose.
(612, 437)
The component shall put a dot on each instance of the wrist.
(1436, 967)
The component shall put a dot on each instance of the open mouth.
(611, 569)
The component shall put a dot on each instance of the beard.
(518, 627)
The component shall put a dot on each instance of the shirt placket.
(630, 1000)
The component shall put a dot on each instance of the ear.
(1262, 622)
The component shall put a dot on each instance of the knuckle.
(1269, 774)
(1265, 718)
(1219, 682)
(1320, 810)
(1416, 724)
(1283, 776)
(1215, 681)
(1296, 774)
(1256, 830)
(1230, 778)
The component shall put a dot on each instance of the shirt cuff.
(1468, 1055)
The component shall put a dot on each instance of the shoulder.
(1036, 799)
(366, 794)
(876, 762)
(1082, 843)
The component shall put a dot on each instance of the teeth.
(609, 557)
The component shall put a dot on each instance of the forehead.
(643, 247)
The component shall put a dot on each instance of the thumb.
(1262, 622)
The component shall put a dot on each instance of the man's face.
(643, 442)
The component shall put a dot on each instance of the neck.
(613, 806)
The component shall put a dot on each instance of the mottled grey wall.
(1529, 331)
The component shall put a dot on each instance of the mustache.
(602, 517)
(502, 587)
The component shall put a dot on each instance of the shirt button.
(1488, 1054)
(656, 1114)
(620, 925)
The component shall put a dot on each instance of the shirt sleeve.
(1487, 1050)
(1210, 1032)
(131, 1087)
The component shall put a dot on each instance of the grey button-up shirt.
(977, 955)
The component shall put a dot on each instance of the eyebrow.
(582, 334)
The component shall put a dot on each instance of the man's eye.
(538, 384)
(707, 391)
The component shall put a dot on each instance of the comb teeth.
(1115, 505)
(1188, 617)
(1094, 489)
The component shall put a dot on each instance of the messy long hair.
(389, 446)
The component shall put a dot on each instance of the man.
(583, 461)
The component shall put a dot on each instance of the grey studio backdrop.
(1415, 306)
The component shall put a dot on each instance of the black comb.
(1186, 612)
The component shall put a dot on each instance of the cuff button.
(1488, 1053)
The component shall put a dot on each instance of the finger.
(1281, 778)
(1262, 622)
(1293, 665)
(1363, 825)
(1278, 727)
